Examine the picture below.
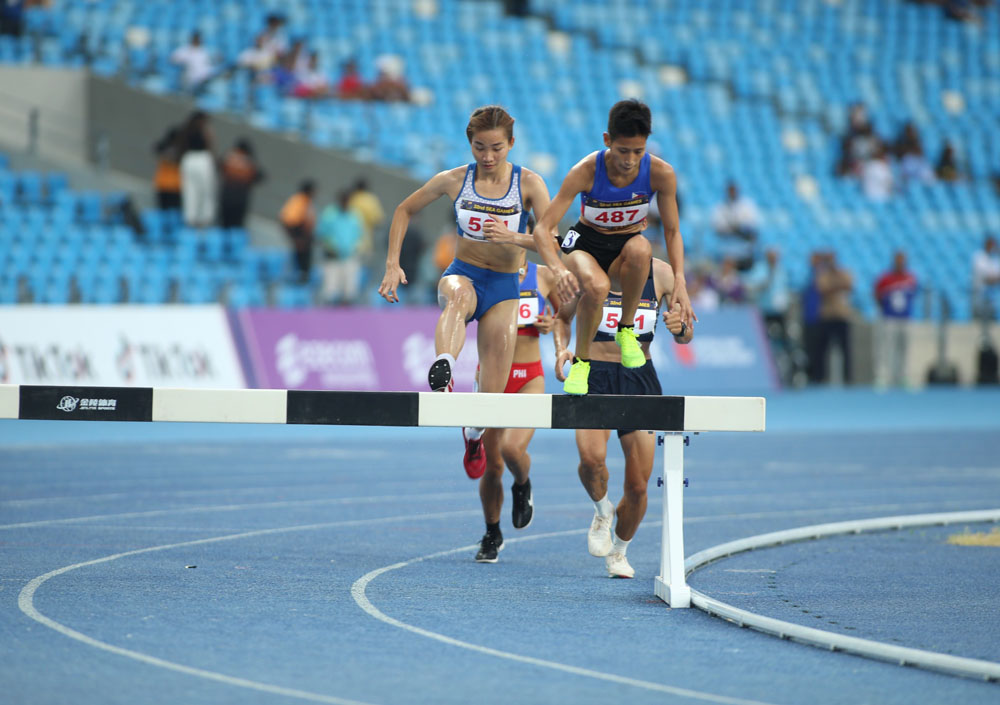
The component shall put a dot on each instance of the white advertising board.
(141, 346)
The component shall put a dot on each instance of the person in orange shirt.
(298, 215)
(167, 178)
(239, 174)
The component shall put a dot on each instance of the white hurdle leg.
(670, 584)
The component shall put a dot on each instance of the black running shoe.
(523, 510)
(489, 547)
(439, 376)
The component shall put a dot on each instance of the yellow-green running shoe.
(632, 355)
(576, 383)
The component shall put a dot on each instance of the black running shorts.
(615, 378)
(602, 247)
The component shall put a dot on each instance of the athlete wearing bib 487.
(615, 187)
(609, 377)
(489, 196)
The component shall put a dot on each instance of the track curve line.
(904, 656)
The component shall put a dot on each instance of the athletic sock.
(580, 359)
(620, 545)
(604, 506)
(449, 358)
(473, 434)
(622, 325)
(493, 529)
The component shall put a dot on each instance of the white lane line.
(26, 597)
(361, 585)
(26, 603)
(285, 504)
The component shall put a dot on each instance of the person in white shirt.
(986, 279)
(876, 177)
(257, 59)
(195, 61)
(737, 220)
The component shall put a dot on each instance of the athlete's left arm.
(546, 287)
(536, 199)
(664, 182)
(663, 281)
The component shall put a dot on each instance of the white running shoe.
(599, 536)
(618, 566)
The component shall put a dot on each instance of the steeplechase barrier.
(672, 415)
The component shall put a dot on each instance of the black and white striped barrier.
(672, 415)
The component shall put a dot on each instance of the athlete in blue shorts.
(615, 187)
(607, 376)
(490, 196)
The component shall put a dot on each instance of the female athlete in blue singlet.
(607, 376)
(616, 185)
(490, 196)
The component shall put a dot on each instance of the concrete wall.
(132, 120)
(59, 96)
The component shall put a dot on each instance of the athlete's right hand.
(562, 357)
(394, 276)
(567, 287)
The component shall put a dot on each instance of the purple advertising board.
(349, 349)
(391, 349)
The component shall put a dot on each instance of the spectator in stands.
(390, 85)
(961, 10)
(275, 42)
(340, 233)
(364, 201)
(767, 285)
(877, 180)
(240, 173)
(312, 82)
(909, 150)
(701, 291)
(351, 86)
(736, 221)
(811, 325)
(986, 280)
(167, 179)
(729, 283)
(199, 182)
(196, 64)
(947, 166)
(298, 216)
(859, 144)
(895, 291)
(834, 286)
(257, 60)
(12, 17)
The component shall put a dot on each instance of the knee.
(511, 453)
(461, 297)
(635, 489)
(595, 286)
(591, 465)
(637, 250)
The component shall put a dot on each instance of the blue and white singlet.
(609, 207)
(645, 314)
(471, 209)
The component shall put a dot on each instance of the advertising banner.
(729, 356)
(391, 350)
(347, 349)
(140, 346)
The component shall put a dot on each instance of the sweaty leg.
(594, 288)
(631, 268)
(515, 440)
(491, 483)
(593, 447)
(457, 299)
(639, 448)
(495, 339)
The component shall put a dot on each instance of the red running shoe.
(475, 457)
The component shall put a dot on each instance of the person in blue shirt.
(895, 291)
(616, 186)
(339, 232)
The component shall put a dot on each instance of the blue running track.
(196, 564)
